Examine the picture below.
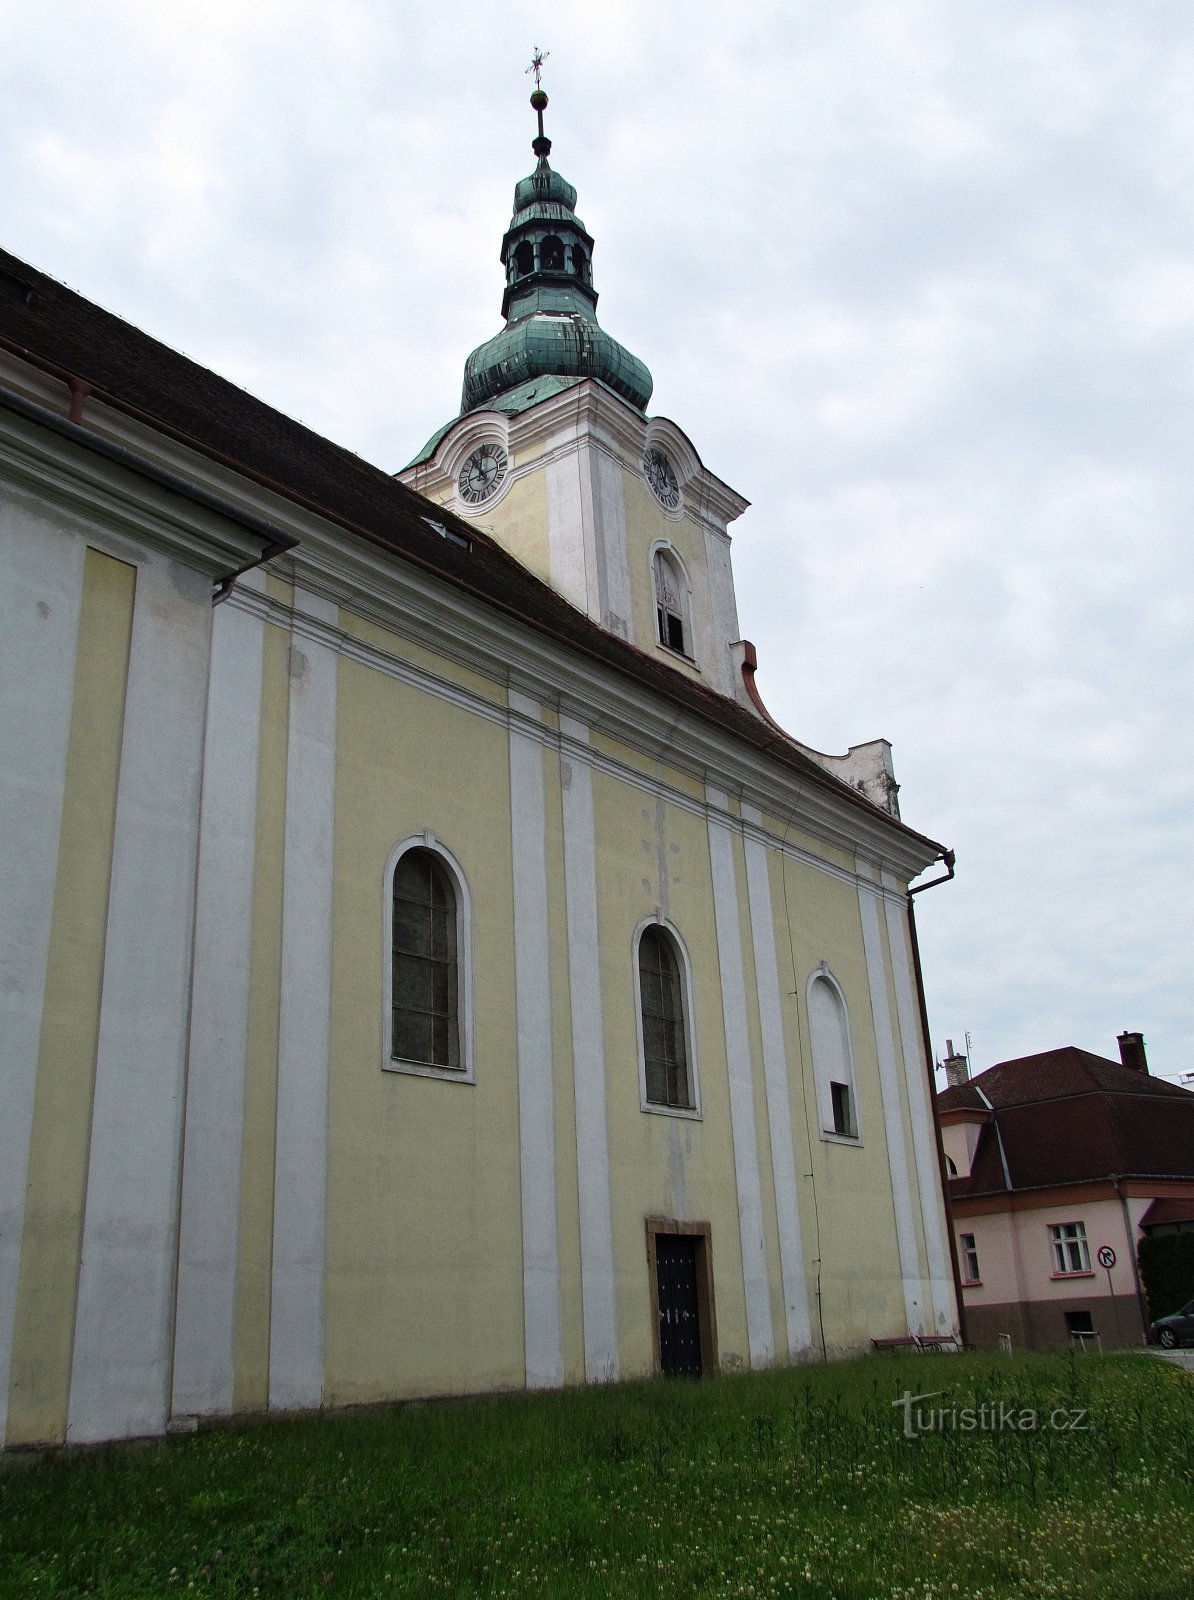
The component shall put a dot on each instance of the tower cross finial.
(537, 60)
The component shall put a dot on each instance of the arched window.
(669, 604)
(551, 254)
(832, 1058)
(427, 1023)
(580, 263)
(524, 258)
(665, 1036)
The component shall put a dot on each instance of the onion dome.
(550, 305)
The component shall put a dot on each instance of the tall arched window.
(524, 258)
(668, 1077)
(551, 254)
(669, 604)
(833, 1059)
(428, 988)
(425, 1002)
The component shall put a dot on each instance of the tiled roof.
(1067, 1116)
(1168, 1211)
(44, 321)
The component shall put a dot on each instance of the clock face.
(662, 478)
(482, 473)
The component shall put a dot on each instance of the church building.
(425, 967)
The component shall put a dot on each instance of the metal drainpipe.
(1141, 1302)
(275, 540)
(947, 859)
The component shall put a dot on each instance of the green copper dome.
(550, 305)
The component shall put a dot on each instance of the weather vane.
(541, 145)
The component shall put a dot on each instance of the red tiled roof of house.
(1067, 1116)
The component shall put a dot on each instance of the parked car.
(1177, 1328)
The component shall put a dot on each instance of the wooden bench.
(917, 1341)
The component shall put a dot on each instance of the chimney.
(957, 1068)
(1131, 1052)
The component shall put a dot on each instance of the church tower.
(554, 456)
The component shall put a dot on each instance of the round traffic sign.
(1106, 1256)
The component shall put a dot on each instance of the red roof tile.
(1067, 1116)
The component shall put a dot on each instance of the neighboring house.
(429, 970)
(1050, 1158)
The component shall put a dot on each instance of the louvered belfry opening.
(426, 986)
(664, 1047)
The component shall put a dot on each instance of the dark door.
(679, 1314)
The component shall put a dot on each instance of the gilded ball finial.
(538, 100)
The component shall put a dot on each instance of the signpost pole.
(1106, 1259)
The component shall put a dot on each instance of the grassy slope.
(796, 1482)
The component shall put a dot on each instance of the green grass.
(787, 1483)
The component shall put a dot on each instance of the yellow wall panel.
(849, 1193)
(57, 1183)
(655, 855)
(519, 523)
(424, 1237)
(439, 666)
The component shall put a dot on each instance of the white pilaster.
(39, 624)
(304, 1031)
(536, 1101)
(588, 1068)
(924, 1137)
(916, 1311)
(121, 1362)
(760, 1337)
(209, 1222)
(779, 1108)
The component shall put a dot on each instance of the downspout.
(947, 860)
(1141, 1303)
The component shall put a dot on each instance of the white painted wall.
(205, 1327)
(123, 1320)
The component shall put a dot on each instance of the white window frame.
(693, 1112)
(673, 558)
(971, 1272)
(828, 1132)
(465, 1072)
(1064, 1237)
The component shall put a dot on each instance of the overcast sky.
(915, 278)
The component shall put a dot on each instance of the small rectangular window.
(1070, 1250)
(843, 1110)
(970, 1272)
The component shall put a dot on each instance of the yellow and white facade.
(218, 1191)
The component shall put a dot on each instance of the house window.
(669, 604)
(1070, 1251)
(427, 1020)
(668, 1081)
(833, 1059)
(970, 1272)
